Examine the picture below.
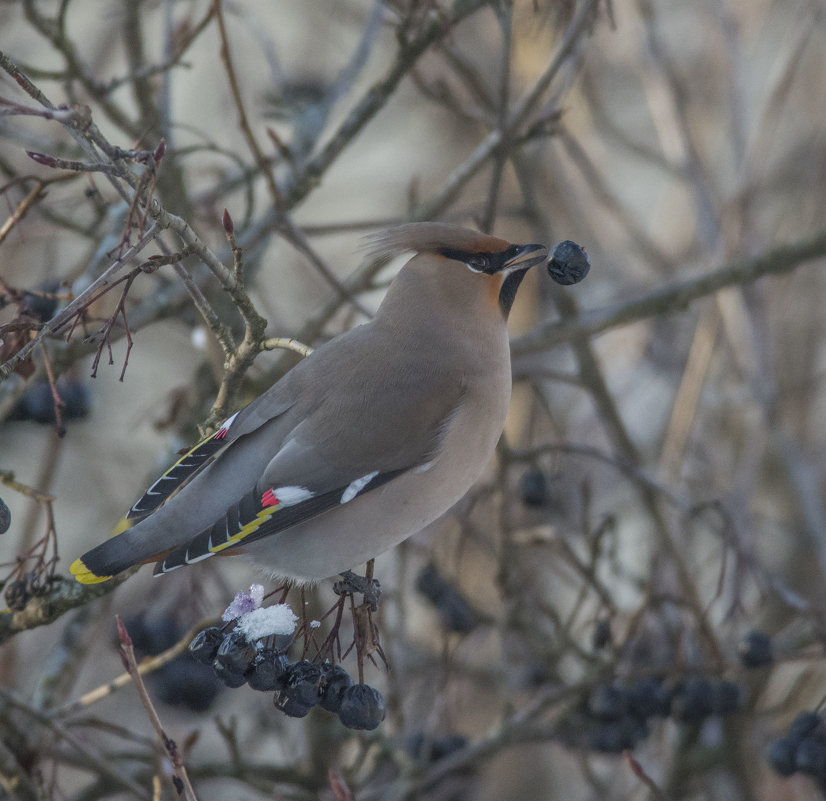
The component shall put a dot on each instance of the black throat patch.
(493, 263)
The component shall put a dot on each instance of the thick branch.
(62, 596)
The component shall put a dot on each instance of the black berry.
(269, 668)
(782, 756)
(234, 659)
(533, 489)
(647, 697)
(755, 649)
(726, 698)
(803, 724)
(17, 595)
(455, 612)
(299, 689)
(336, 681)
(692, 701)
(810, 756)
(362, 707)
(608, 702)
(5, 517)
(568, 263)
(291, 705)
(205, 644)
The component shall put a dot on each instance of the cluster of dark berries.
(37, 403)
(803, 748)
(19, 592)
(615, 716)
(297, 686)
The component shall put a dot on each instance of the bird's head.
(450, 259)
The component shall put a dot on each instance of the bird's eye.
(478, 262)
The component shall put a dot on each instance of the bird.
(367, 440)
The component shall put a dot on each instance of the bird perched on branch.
(366, 441)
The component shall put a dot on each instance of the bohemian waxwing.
(366, 441)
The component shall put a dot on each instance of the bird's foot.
(366, 586)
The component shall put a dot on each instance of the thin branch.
(376, 97)
(23, 207)
(522, 109)
(181, 779)
(104, 767)
(145, 666)
(674, 297)
(76, 307)
(285, 343)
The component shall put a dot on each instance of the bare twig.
(180, 779)
(676, 296)
(91, 758)
(145, 666)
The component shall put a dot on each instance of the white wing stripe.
(291, 495)
(355, 487)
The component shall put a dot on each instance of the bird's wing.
(264, 408)
(341, 451)
(260, 515)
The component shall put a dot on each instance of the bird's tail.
(107, 559)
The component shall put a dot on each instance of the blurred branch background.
(642, 570)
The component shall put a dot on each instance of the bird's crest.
(423, 237)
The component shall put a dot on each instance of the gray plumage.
(366, 441)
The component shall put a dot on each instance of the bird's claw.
(351, 583)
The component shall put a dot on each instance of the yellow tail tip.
(85, 576)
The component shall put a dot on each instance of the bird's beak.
(528, 256)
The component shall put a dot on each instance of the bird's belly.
(361, 529)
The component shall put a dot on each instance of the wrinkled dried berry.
(285, 701)
(299, 688)
(17, 595)
(336, 681)
(205, 644)
(268, 671)
(234, 659)
(568, 263)
(362, 707)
